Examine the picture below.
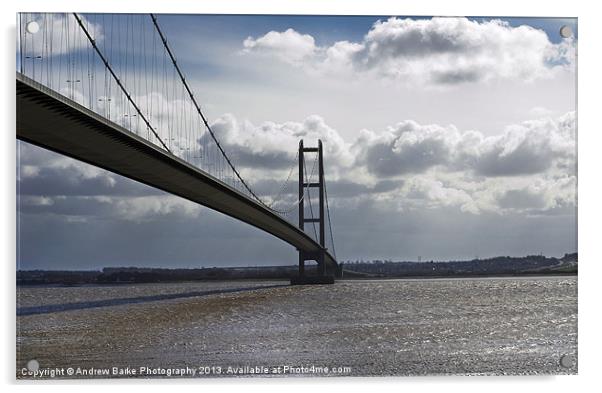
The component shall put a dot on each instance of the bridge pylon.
(304, 186)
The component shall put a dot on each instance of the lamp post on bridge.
(127, 117)
(72, 83)
(33, 59)
(107, 107)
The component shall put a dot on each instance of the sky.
(445, 138)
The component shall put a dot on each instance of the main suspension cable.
(198, 109)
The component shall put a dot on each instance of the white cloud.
(151, 207)
(437, 51)
(274, 145)
(531, 147)
(528, 166)
(288, 46)
(32, 200)
(436, 194)
(29, 171)
(527, 148)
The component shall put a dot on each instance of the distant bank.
(498, 266)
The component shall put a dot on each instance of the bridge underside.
(48, 119)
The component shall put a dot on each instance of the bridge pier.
(321, 277)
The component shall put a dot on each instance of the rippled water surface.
(385, 327)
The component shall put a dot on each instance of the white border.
(589, 112)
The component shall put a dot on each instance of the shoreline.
(278, 279)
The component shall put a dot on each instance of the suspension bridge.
(108, 90)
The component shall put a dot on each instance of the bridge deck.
(50, 120)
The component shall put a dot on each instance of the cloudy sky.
(445, 138)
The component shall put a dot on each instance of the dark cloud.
(263, 160)
(521, 199)
(51, 242)
(64, 206)
(364, 230)
(242, 156)
(521, 161)
(453, 77)
(385, 159)
(347, 188)
(70, 181)
(46, 173)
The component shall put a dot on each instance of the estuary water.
(473, 326)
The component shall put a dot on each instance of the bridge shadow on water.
(53, 308)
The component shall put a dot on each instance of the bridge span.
(48, 119)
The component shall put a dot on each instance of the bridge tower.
(321, 278)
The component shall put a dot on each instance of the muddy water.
(388, 327)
